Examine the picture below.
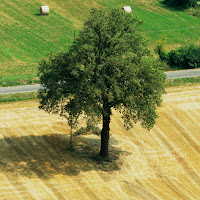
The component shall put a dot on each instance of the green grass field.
(27, 37)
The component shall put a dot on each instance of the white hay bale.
(127, 9)
(44, 10)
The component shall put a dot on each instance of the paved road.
(183, 74)
(32, 88)
(19, 89)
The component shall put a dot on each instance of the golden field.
(161, 164)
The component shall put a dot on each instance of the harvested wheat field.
(161, 164)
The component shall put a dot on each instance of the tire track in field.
(171, 147)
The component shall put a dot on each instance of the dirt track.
(162, 164)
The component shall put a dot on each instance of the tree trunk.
(70, 142)
(104, 153)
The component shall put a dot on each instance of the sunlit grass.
(18, 97)
(182, 81)
(27, 38)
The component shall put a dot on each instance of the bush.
(187, 57)
(181, 3)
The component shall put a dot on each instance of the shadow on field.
(47, 155)
(171, 8)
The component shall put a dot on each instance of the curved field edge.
(27, 37)
(160, 164)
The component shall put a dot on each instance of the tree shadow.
(47, 155)
(38, 14)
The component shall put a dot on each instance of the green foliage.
(187, 57)
(160, 48)
(108, 66)
(60, 81)
(181, 3)
(194, 11)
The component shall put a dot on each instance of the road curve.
(36, 87)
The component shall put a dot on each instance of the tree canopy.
(107, 67)
(181, 3)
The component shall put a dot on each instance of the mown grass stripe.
(28, 37)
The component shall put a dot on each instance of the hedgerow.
(187, 57)
(181, 3)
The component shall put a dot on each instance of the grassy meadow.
(27, 38)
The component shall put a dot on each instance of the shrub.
(181, 3)
(187, 57)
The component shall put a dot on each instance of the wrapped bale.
(44, 10)
(127, 9)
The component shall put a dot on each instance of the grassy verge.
(18, 97)
(15, 81)
(182, 81)
(33, 95)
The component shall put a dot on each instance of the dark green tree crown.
(108, 64)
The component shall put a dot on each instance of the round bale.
(44, 10)
(127, 9)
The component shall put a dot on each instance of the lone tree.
(107, 67)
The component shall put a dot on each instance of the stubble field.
(161, 164)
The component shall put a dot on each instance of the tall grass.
(18, 97)
(182, 81)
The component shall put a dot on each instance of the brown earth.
(161, 164)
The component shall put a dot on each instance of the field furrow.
(160, 164)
